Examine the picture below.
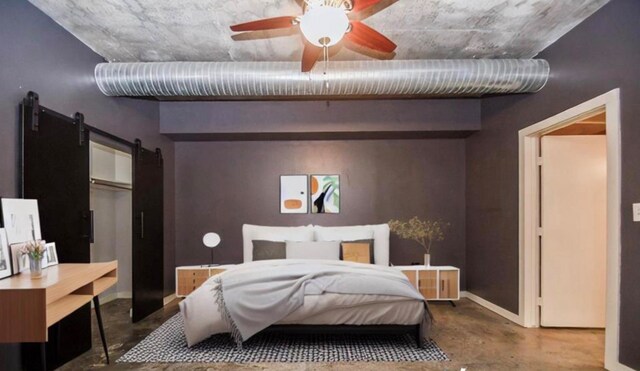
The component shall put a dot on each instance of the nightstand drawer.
(189, 279)
(428, 284)
(449, 285)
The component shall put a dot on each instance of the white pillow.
(281, 234)
(324, 250)
(343, 233)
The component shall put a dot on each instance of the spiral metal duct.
(474, 77)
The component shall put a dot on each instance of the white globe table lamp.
(211, 240)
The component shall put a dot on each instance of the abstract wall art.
(325, 194)
(293, 194)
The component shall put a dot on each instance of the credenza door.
(148, 239)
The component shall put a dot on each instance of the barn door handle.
(142, 225)
(91, 228)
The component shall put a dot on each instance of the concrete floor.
(472, 337)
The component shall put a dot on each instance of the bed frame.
(413, 330)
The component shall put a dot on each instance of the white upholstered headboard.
(379, 233)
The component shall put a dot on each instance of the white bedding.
(202, 318)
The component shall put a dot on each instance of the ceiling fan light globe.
(324, 26)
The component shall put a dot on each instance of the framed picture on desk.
(19, 261)
(5, 257)
(21, 220)
(50, 254)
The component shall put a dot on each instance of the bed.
(304, 295)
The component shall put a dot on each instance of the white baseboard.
(492, 307)
(617, 366)
(169, 299)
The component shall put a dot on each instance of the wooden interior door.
(55, 153)
(148, 240)
(574, 224)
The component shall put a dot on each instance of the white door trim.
(528, 179)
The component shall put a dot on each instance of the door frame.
(529, 260)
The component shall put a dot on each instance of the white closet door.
(573, 252)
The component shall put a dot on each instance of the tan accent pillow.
(358, 252)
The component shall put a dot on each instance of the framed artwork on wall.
(325, 194)
(21, 220)
(293, 194)
(5, 257)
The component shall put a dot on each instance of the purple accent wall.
(325, 120)
(597, 56)
(238, 182)
(37, 54)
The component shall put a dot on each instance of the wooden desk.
(30, 306)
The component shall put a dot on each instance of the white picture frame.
(293, 194)
(50, 255)
(19, 261)
(325, 194)
(5, 256)
(21, 220)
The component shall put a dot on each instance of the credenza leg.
(96, 306)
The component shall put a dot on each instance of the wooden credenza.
(189, 278)
(434, 282)
(30, 306)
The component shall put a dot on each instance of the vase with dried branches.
(423, 231)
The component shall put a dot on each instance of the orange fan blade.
(264, 24)
(359, 5)
(366, 36)
(310, 56)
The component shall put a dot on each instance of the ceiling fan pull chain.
(326, 66)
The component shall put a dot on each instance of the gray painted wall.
(37, 54)
(238, 182)
(597, 56)
(341, 117)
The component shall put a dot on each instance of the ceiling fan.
(323, 24)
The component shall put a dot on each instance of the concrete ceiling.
(198, 30)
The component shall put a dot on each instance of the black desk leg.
(452, 303)
(43, 355)
(96, 306)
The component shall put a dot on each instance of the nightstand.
(437, 283)
(189, 278)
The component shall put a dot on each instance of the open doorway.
(111, 185)
(603, 108)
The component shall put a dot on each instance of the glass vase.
(35, 267)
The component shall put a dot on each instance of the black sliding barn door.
(55, 165)
(148, 240)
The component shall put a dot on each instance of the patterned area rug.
(167, 345)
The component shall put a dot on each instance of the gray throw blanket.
(259, 294)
